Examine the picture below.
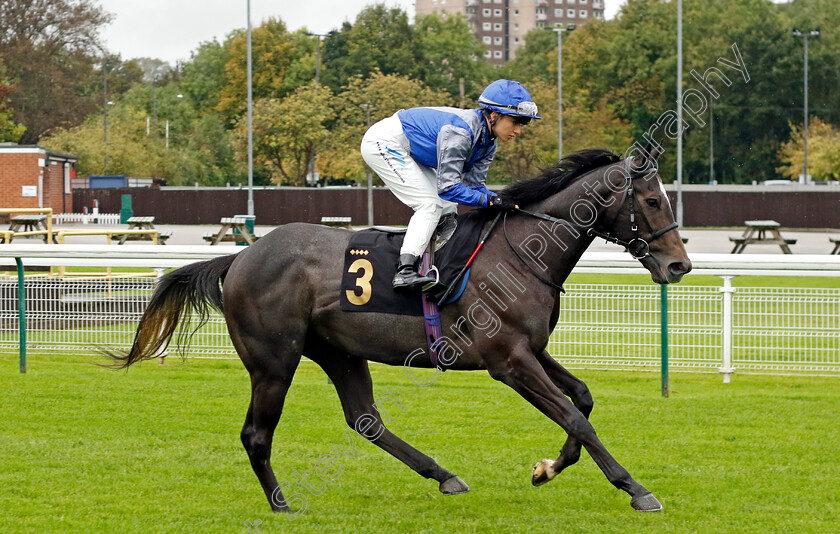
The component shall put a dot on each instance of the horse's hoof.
(543, 472)
(646, 503)
(453, 486)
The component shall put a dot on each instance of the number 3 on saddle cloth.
(370, 262)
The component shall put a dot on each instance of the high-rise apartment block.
(502, 24)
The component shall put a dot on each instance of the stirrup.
(429, 285)
(421, 280)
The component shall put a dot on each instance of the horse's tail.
(193, 289)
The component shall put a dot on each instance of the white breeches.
(386, 150)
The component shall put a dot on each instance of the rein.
(516, 253)
(638, 246)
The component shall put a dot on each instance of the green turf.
(85, 449)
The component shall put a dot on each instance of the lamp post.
(560, 31)
(317, 54)
(679, 180)
(105, 116)
(317, 83)
(167, 127)
(154, 103)
(805, 35)
(368, 108)
(250, 121)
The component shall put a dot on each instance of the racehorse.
(280, 299)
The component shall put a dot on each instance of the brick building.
(502, 24)
(33, 177)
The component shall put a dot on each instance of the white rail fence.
(711, 329)
(86, 218)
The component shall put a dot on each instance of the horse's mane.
(559, 176)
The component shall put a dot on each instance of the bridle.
(638, 246)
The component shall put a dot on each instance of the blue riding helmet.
(508, 98)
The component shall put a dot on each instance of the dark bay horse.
(281, 301)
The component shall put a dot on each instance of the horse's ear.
(644, 159)
(654, 151)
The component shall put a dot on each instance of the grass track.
(85, 449)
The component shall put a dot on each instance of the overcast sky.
(171, 29)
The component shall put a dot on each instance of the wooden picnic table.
(764, 232)
(232, 229)
(142, 223)
(836, 241)
(29, 222)
(29, 225)
(46, 212)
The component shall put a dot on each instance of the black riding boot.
(407, 275)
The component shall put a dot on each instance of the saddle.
(370, 264)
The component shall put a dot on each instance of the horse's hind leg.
(353, 384)
(269, 385)
(577, 391)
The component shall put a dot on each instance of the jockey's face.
(506, 127)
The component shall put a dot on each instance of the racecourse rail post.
(21, 315)
(727, 291)
(663, 304)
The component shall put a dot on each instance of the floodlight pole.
(805, 35)
(250, 123)
(559, 32)
(317, 84)
(679, 113)
(105, 117)
(368, 108)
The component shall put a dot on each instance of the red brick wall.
(17, 170)
(54, 188)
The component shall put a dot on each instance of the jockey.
(435, 158)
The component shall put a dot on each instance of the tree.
(387, 94)
(49, 48)
(823, 151)
(154, 69)
(128, 151)
(199, 150)
(9, 129)
(380, 39)
(631, 64)
(287, 131)
(122, 75)
(203, 76)
(272, 52)
(537, 147)
(536, 59)
(450, 54)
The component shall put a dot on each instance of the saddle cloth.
(370, 262)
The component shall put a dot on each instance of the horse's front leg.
(576, 390)
(521, 370)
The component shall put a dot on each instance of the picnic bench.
(28, 225)
(338, 222)
(233, 229)
(142, 223)
(764, 232)
(836, 241)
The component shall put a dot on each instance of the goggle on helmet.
(508, 98)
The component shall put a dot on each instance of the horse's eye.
(652, 202)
